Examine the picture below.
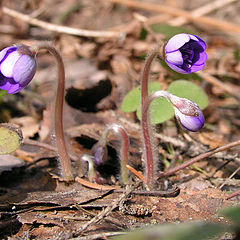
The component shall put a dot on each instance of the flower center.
(187, 54)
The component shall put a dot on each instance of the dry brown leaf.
(211, 139)
(28, 124)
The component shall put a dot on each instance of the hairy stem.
(58, 118)
(91, 170)
(148, 149)
(151, 171)
(120, 131)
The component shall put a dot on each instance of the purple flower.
(185, 53)
(187, 113)
(17, 68)
(100, 154)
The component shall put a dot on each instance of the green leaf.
(160, 111)
(233, 213)
(10, 138)
(185, 231)
(132, 100)
(168, 30)
(191, 91)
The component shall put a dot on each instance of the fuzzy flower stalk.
(99, 150)
(17, 68)
(188, 114)
(92, 175)
(184, 53)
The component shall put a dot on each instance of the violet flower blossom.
(185, 53)
(17, 68)
(187, 113)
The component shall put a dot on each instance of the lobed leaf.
(131, 101)
(189, 90)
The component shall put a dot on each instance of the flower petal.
(196, 68)
(8, 63)
(5, 51)
(24, 70)
(175, 57)
(201, 42)
(15, 89)
(190, 123)
(176, 42)
(202, 59)
(10, 87)
(193, 37)
(176, 69)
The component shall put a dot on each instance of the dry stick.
(231, 176)
(233, 194)
(59, 28)
(107, 210)
(209, 7)
(95, 185)
(136, 173)
(47, 146)
(234, 91)
(203, 10)
(224, 26)
(198, 158)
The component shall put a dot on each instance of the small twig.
(59, 28)
(231, 176)
(95, 185)
(47, 146)
(224, 26)
(107, 219)
(234, 91)
(107, 210)
(155, 193)
(233, 195)
(99, 236)
(219, 168)
(136, 173)
(203, 10)
(198, 158)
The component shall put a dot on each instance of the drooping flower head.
(17, 68)
(185, 53)
(187, 113)
(99, 151)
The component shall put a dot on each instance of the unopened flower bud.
(99, 153)
(185, 53)
(187, 113)
(17, 68)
